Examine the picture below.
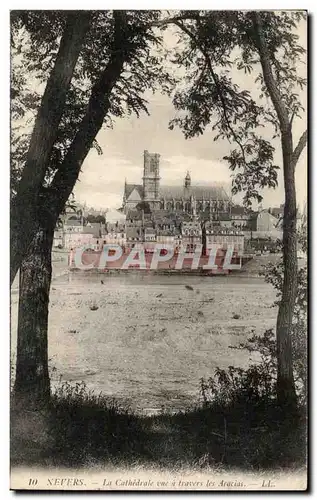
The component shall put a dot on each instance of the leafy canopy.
(215, 46)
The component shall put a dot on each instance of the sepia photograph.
(158, 250)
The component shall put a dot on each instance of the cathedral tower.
(151, 179)
(187, 180)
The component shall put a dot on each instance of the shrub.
(237, 385)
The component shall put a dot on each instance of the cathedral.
(193, 200)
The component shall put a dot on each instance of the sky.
(101, 182)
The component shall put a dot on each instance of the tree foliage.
(213, 47)
(120, 59)
(265, 44)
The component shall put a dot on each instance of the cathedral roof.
(130, 187)
(239, 210)
(199, 192)
(224, 216)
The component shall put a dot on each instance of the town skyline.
(102, 177)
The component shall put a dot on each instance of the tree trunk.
(285, 379)
(285, 389)
(25, 204)
(32, 378)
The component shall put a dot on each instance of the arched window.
(187, 207)
(179, 205)
(169, 205)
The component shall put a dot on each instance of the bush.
(255, 383)
(255, 430)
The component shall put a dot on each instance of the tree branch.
(53, 100)
(216, 81)
(24, 206)
(268, 75)
(98, 107)
(299, 148)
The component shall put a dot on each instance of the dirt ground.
(150, 338)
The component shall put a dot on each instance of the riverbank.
(149, 339)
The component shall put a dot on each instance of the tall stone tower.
(187, 182)
(151, 179)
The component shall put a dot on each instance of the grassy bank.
(80, 428)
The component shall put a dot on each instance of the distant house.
(149, 234)
(73, 225)
(263, 224)
(224, 220)
(167, 237)
(97, 228)
(58, 240)
(223, 237)
(191, 234)
(134, 228)
(114, 216)
(115, 233)
(240, 216)
(263, 221)
(89, 235)
(277, 212)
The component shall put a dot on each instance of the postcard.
(158, 250)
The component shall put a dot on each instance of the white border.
(4, 184)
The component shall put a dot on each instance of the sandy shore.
(150, 339)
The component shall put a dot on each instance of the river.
(148, 339)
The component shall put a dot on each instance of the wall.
(266, 222)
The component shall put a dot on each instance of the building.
(224, 220)
(114, 216)
(216, 235)
(263, 221)
(240, 216)
(277, 212)
(194, 200)
(263, 225)
(134, 227)
(72, 225)
(191, 233)
(115, 230)
(58, 241)
(115, 233)
(168, 237)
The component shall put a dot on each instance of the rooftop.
(199, 192)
